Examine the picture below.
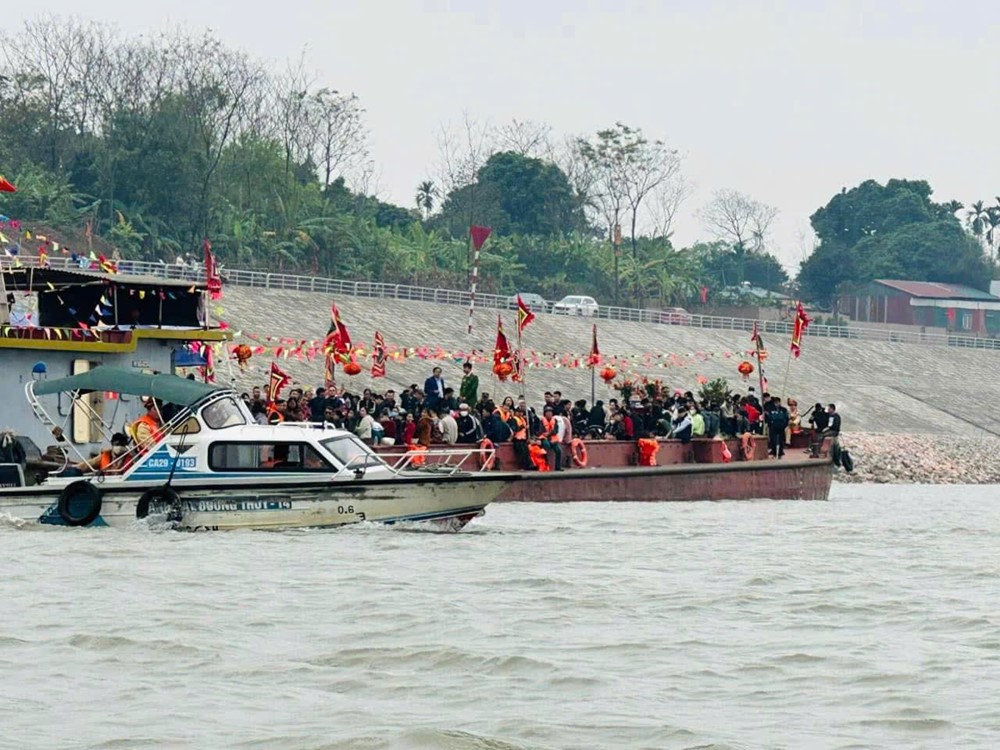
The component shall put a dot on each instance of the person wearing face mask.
(470, 430)
(109, 460)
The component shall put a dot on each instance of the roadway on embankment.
(878, 387)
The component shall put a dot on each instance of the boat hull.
(449, 500)
(790, 479)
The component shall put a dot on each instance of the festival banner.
(212, 279)
(802, 322)
(338, 340)
(6, 186)
(378, 356)
(279, 379)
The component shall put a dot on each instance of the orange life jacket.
(151, 423)
(537, 455)
(521, 433)
(549, 428)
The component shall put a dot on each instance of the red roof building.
(958, 308)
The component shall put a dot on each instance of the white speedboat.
(211, 467)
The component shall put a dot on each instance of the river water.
(869, 621)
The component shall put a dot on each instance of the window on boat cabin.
(223, 413)
(266, 456)
(88, 409)
(190, 426)
(351, 452)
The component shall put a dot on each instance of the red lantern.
(745, 368)
(352, 368)
(243, 354)
(608, 374)
(503, 370)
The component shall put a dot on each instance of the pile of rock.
(923, 459)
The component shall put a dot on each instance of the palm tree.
(426, 193)
(977, 216)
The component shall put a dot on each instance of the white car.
(534, 301)
(576, 305)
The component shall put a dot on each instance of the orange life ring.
(579, 451)
(487, 454)
(417, 451)
(747, 445)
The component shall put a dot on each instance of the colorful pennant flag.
(338, 340)
(6, 186)
(501, 354)
(524, 314)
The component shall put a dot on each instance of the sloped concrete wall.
(878, 387)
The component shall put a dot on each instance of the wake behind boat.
(201, 462)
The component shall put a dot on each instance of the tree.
(889, 231)
(741, 222)
(426, 194)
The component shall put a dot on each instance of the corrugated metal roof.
(936, 290)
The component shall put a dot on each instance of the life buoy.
(746, 443)
(159, 497)
(487, 454)
(579, 452)
(79, 503)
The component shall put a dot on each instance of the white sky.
(786, 100)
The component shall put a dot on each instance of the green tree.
(894, 231)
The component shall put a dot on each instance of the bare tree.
(463, 151)
(339, 135)
(665, 201)
(739, 220)
(525, 138)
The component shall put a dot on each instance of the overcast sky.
(786, 101)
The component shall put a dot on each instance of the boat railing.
(442, 460)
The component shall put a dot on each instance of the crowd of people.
(435, 413)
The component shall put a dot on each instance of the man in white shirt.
(449, 428)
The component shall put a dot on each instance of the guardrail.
(372, 289)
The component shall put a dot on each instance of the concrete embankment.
(887, 458)
(878, 387)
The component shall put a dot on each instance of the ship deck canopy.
(167, 388)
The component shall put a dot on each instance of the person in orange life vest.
(520, 439)
(147, 428)
(539, 458)
(551, 437)
(109, 460)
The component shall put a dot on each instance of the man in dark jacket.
(776, 418)
(470, 431)
(434, 390)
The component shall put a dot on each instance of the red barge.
(684, 472)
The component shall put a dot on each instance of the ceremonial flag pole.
(593, 360)
(524, 318)
(477, 235)
(802, 322)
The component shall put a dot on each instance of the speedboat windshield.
(223, 413)
(350, 452)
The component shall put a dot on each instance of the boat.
(211, 467)
(612, 471)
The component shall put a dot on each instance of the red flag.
(378, 356)
(279, 379)
(524, 314)
(212, 280)
(5, 186)
(802, 322)
(479, 235)
(338, 340)
(501, 353)
(595, 354)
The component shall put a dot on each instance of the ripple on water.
(869, 621)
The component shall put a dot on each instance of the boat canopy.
(168, 388)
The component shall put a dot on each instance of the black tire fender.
(164, 495)
(79, 503)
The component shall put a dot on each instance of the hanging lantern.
(745, 369)
(503, 370)
(352, 368)
(608, 374)
(243, 354)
